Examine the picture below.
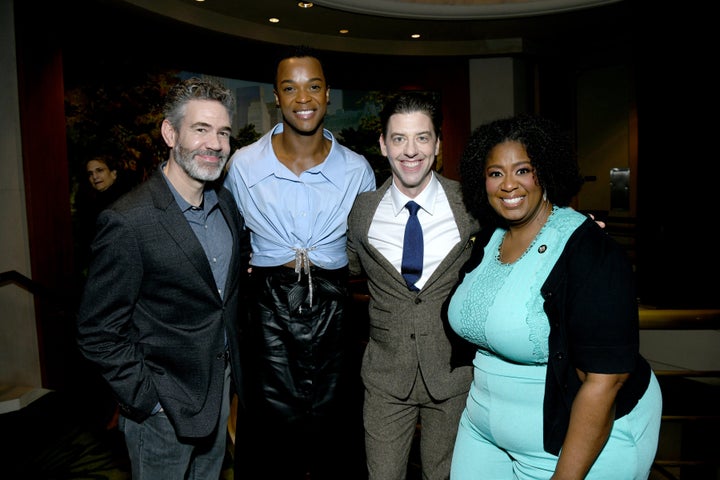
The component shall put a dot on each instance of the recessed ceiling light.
(199, 1)
(274, 20)
(415, 35)
(344, 30)
(305, 4)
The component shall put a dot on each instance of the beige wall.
(492, 86)
(19, 358)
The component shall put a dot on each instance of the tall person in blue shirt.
(295, 187)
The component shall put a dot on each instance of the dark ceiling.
(232, 38)
(447, 27)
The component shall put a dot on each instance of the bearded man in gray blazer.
(406, 368)
(161, 312)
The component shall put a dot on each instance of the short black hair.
(296, 51)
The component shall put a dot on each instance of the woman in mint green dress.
(559, 390)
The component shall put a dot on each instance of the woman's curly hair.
(550, 151)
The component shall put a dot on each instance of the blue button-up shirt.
(286, 212)
(211, 230)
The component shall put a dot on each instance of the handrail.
(673, 320)
(17, 278)
(34, 287)
(679, 319)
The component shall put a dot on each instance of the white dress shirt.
(440, 231)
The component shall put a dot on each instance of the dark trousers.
(157, 453)
(303, 413)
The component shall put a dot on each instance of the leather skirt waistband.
(282, 270)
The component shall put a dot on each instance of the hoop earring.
(544, 195)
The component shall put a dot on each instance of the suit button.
(417, 301)
(412, 336)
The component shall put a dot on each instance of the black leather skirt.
(299, 340)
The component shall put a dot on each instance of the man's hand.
(601, 224)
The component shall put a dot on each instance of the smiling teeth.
(512, 201)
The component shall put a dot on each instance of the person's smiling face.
(202, 146)
(411, 146)
(302, 93)
(512, 188)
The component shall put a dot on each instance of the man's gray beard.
(184, 158)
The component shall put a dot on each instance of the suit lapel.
(230, 212)
(373, 200)
(464, 225)
(173, 221)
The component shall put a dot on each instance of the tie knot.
(412, 207)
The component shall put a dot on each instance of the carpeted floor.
(58, 437)
(71, 437)
(64, 437)
(52, 438)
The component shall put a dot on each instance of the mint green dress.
(499, 308)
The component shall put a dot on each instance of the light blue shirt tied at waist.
(297, 217)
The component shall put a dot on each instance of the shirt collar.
(333, 168)
(426, 198)
(209, 196)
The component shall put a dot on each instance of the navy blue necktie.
(412, 258)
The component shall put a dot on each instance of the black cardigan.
(592, 308)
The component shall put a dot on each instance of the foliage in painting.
(120, 118)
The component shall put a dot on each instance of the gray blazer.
(151, 316)
(406, 328)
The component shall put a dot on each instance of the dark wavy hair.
(411, 102)
(551, 153)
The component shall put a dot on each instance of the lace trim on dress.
(494, 276)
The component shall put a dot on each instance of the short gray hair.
(195, 89)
